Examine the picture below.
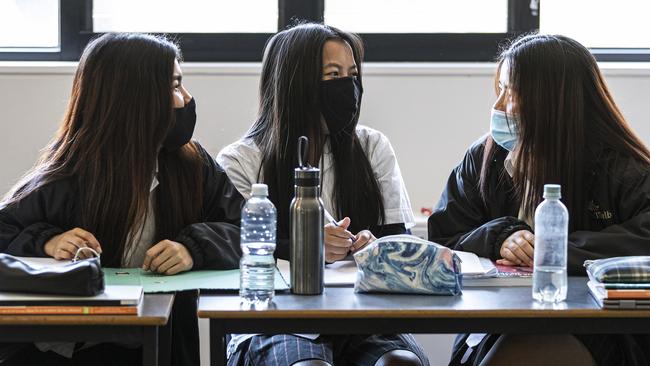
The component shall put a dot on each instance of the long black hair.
(567, 116)
(290, 107)
(119, 113)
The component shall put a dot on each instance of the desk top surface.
(156, 309)
(487, 302)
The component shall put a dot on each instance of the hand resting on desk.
(168, 257)
(518, 249)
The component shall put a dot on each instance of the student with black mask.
(311, 85)
(123, 177)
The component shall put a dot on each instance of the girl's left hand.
(518, 249)
(364, 237)
(168, 257)
(506, 262)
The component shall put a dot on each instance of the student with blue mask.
(503, 129)
(554, 121)
(311, 85)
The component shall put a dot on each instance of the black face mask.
(340, 101)
(183, 129)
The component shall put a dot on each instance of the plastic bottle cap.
(553, 191)
(260, 189)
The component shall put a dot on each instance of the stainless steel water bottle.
(306, 215)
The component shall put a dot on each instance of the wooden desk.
(486, 310)
(144, 328)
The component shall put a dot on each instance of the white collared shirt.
(241, 161)
(138, 243)
(509, 165)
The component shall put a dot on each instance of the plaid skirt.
(357, 350)
(606, 349)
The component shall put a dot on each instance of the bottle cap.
(307, 177)
(552, 191)
(260, 189)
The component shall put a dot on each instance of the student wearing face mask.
(123, 177)
(311, 85)
(554, 121)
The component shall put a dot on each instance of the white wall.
(430, 112)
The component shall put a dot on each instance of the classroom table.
(481, 310)
(149, 328)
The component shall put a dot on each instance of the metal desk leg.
(150, 346)
(217, 344)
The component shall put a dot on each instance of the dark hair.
(290, 107)
(120, 111)
(567, 116)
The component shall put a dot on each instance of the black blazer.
(213, 242)
(617, 218)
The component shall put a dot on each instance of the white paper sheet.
(471, 264)
(341, 273)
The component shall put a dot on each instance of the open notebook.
(499, 276)
(341, 273)
(344, 273)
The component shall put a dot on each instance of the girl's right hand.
(338, 240)
(64, 246)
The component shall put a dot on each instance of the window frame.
(76, 32)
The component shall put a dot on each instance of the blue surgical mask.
(503, 128)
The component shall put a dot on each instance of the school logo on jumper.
(599, 213)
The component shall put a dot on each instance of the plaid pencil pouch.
(633, 269)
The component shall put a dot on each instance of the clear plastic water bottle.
(257, 265)
(551, 232)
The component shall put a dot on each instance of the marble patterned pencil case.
(407, 264)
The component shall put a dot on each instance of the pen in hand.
(333, 221)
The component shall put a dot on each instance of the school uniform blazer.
(617, 217)
(213, 242)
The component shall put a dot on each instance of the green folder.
(202, 280)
